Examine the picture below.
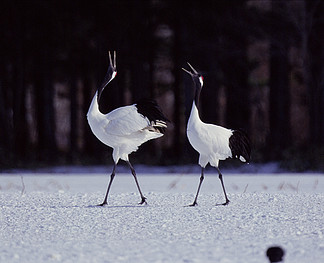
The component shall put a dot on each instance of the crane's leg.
(143, 201)
(200, 182)
(221, 179)
(109, 185)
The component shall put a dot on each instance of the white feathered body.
(211, 141)
(122, 129)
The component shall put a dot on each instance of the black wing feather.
(240, 145)
(150, 109)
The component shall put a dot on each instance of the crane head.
(196, 77)
(110, 75)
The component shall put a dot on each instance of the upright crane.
(126, 128)
(213, 142)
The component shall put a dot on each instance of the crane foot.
(226, 203)
(143, 201)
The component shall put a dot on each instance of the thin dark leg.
(200, 182)
(109, 185)
(221, 179)
(137, 184)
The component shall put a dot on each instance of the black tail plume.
(151, 110)
(240, 145)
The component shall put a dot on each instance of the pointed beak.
(192, 68)
(113, 65)
(195, 71)
(111, 73)
(187, 71)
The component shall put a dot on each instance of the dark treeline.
(262, 62)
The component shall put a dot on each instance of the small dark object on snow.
(275, 254)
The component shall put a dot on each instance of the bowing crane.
(126, 128)
(213, 142)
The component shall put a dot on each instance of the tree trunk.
(315, 72)
(44, 106)
(279, 98)
(73, 115)
(236, 82)
(279, 137)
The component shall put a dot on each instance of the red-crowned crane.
(213, 142)
(126, 128)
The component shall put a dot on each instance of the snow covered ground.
(54, 218)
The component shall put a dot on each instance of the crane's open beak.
(113, 65)
(195, 76)
(192, 68)
(111, 73)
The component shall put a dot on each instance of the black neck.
(197, 92)
(105, 82)
(197, 97)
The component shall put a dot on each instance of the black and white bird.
(126, 128)
(213, 142)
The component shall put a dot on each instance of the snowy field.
(54, 218)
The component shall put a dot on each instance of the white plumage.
(126, 128)
(213, 142)
(207, 139)
(123, 129)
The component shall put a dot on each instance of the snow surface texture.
(54, 218)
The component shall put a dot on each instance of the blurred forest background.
(262, 62)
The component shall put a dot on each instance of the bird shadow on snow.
(116, 206)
